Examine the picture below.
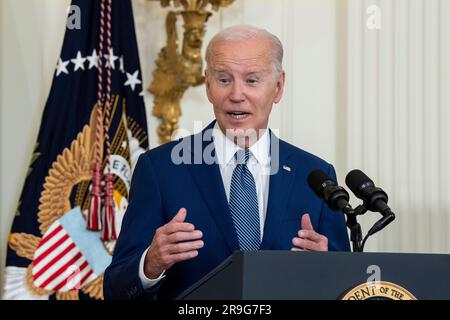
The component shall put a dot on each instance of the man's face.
(242, 85)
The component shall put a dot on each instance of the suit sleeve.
(143, 216)
(332, 224)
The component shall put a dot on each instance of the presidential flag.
(93, 130)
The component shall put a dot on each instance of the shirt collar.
(226, 149)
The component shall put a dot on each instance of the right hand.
(173, 242)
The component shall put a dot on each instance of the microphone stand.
(387, 218)
(354, 226)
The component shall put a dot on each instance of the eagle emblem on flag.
(68, 257)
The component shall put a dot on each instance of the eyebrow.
(219, 70)
(255, 73)
(251, 73)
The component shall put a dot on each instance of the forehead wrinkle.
(249, 65)
(221, 57)
(233, 51)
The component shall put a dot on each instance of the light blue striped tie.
(244, 204)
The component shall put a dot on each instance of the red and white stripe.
(58, 263)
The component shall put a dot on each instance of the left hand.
(307, 239)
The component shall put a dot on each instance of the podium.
(287, 275)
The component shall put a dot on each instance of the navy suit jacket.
(160, 188)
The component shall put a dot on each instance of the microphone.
(374, 198)
(336, 198)
(326, 188)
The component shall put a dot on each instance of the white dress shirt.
(259, 166)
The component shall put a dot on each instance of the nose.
(237, 92)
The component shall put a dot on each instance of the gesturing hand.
(307, 239)
(173, 242)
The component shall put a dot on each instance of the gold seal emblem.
(380, 290)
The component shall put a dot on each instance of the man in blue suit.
(234, 186)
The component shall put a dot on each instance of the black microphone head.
(357, 180)
(326, 188)
(315, 181)
(375, 199)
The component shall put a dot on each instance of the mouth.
(238, 115)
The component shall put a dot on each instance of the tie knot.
(242, 156)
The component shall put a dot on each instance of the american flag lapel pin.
(287, 168)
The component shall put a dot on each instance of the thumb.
(180, 216)
(306, 222)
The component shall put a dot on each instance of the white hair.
(247, 32)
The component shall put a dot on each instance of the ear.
(280, 87)
(208, 85)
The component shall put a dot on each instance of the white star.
(122, 69)
(132, 80)
(142, 93)
(62, 67)
(78, 62)
(93, 60)
(110, 58)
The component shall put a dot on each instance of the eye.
(252, 81)
(224, 80)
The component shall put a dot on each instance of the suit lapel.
(210, 185)
(281, 179)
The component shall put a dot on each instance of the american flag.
(63, 259)
(58, 263)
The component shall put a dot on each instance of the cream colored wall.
(398, 112)
(30, 40)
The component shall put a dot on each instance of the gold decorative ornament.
(24, 244)
(95, 288)
(71, 295)
(177, 71)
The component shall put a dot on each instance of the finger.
(297, 242)
(311, 235)
(297, 249)
(186, 246)
(180, 216)
(184, 256)
(308, 244)
(172, 227)
(306, 222)
(184, 236)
